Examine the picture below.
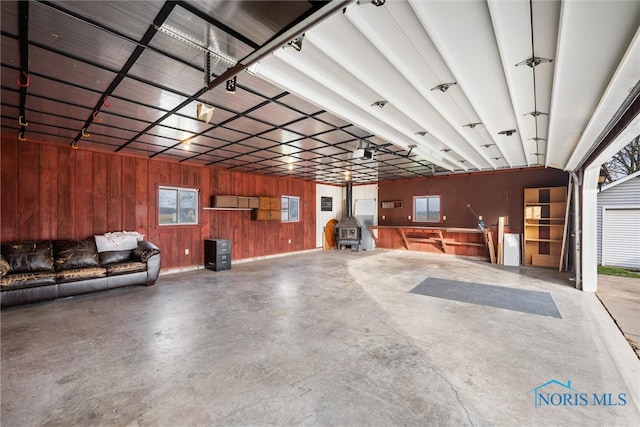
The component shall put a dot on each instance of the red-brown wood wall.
(54, 192)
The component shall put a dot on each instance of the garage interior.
(105, 102)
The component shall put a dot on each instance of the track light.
(507, 132)
(534, 61)
(444, 86)
(231, 85)
(373, 2)
(471, 125)
(536, 114)
(204, 112)
(379, 104)
(297, 42)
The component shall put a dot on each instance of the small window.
(177, 206)
(426, 209)
(290, 208)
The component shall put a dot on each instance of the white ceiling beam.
(593, 38)
(406, 47)
(464, 36)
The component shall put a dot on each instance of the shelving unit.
(268, 209)
(544, 217)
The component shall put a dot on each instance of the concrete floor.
(322, 338)
(621, 298)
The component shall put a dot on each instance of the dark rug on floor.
(532, 302)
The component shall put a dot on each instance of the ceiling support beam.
(23, 36)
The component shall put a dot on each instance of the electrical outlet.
(186, 251)
(289, 240)
(444, 217)
(384, 217)
(409, 217)
(480, 218)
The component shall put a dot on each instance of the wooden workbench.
(442, 238)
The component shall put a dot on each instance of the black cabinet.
(217, 254)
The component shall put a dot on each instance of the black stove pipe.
(349, 201)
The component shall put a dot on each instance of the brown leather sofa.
(33, 271)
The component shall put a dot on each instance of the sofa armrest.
(149, 253)
(145, 250)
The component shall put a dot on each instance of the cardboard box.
(224, 201)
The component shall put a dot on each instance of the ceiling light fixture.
(507, 132)
(421, 133)
(231, 85)
(488, 145)
(205, 112)
(534, 61)
(498, 158)
(537, 139)
(536, 114)
(446, 150)
(297, 42)
(376, 3)
(471, 125)
(379, 104)
(444, 86)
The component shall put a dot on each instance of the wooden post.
(501, 240)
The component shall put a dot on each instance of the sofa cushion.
(74, 254)
(4, 266)
(27, 280)
(80, 274)
(114, 257)
(125, 268)
(28, 256)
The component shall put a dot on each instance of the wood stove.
(348, 232)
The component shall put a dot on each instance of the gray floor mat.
(532, 302)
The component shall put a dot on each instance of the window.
(426, 209)
(290, 209)
(177, 206)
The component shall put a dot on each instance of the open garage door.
(621, 237)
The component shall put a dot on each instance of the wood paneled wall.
(490, 194)
(54, 192)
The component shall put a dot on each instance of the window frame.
(180, 219)
(428, 197)
(287, 209)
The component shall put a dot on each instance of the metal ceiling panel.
(132, 110)
(102, 129)
(165, 132)
(69, 70)
(157, 141)
(117, 121)
(259, 143)
(227, 135)
(258, 20)
(143, 93)
(282, 135)
(10, 52)
(190, 28)
(173, 47)
(45, 88)
(53, 120)
(70, 35)
(299, 104)
(167, 73)
(129, 18)
(67, 135)
(238, 102)
(239, 148)
(43, 105)
(184, 123)
(10, 97)
(275, 114)
(9, 17)
(247, 126)
(307, 144)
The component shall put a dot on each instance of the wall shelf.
(544, 213)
